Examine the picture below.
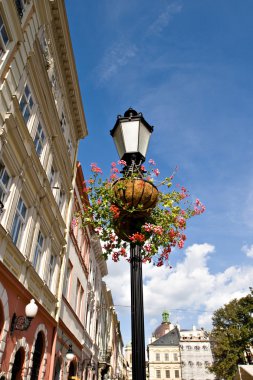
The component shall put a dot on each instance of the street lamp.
(131, 135)
(22, 323)
(70, 354)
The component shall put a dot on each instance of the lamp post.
(131, 135)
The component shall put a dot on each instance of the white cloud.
(164, 18)
(248, 250)
(117, 56)
(189, 291)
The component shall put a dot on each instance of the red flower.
(115, 210)
(137, 238)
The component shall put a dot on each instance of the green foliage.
(232, 336)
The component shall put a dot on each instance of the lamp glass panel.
(130, 131)
(143, 139)
(31, 309)
(119, 142)
(70, 356)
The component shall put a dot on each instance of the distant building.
(179, 354)
(196, 355)
(164, 356)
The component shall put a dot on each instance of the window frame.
(51, 269)
(39, 139)
(26, 102)
(38, 253)
(3, 44)
(4, 188)
(19, 218)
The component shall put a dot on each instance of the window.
(175, 357)
(52, 176)
(205, 348)
(207, 364)
(199, 364)
(158, 373)
(197, 348)
(26, 103)
(4, 183)
(166, 357)
(157, 357)
(67, 280)
(3, 37)
(51, 269)
(19, 222)
(70, 146)
(190, 363)
(79, 300)
(61, 199)
(38, 252)
(39, 140)
(63, 123)
(167, 373)
(188, 348)
(176, 374)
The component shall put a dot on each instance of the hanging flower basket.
(132, 210)
(135, 195)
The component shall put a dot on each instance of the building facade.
(44, 257)
(196, 354)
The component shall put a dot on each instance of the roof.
(172, 338)
(245, 372)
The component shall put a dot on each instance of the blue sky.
(187, 66)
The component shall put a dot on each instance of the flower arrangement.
(118, 220)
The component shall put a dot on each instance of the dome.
(164, 327)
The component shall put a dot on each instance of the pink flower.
(157, 172)
(151, 162)
(74, 222)
(113, 164)
(122, 162)
(158, 230)
(147, 227)
(147, 248)
(95, 168)
(113, 176)
(180, 244)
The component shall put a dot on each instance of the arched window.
(72, 370)
(18, 364)
(37, 356)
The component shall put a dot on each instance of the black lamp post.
(131, 135)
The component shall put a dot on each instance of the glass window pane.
(26, 115)
(22, 103)
(4, 36)
(131, 134)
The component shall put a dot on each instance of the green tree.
(232, 336)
